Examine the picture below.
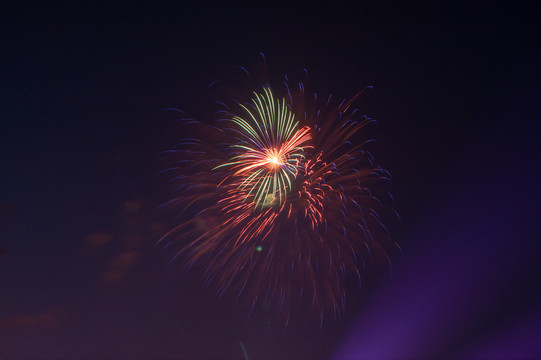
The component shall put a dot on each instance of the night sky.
(84, 116)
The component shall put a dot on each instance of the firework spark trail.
(284, 204)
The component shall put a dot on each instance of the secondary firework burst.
(280, 202)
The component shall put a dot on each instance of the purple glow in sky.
(468, 289)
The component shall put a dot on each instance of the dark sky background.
(84, 93)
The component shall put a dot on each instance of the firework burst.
(282, 201)
(269, 151)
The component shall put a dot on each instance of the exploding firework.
(282, 202)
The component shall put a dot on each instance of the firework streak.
(282, 203)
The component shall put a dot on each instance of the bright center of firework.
(274, 161)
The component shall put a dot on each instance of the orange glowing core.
(274, 160)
